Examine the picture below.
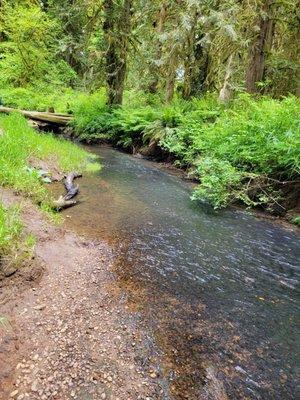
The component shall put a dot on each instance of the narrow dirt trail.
(70, 336)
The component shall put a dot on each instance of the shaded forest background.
(167, 47)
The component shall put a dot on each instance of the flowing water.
(217, 291)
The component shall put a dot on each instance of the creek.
(217, 291)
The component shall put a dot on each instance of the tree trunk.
(51, 118)
(154, 69)
(171, 75)
(196, 69)
(189, 63)
(225, 92)
(259, 48)
(170, 86)
(116, 29)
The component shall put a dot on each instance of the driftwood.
(51, 118)
(72, 190)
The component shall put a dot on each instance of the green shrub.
(296, 220)
(140, 119)
(240, 152)
(90, 114)
(220, 182)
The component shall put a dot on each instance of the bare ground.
(68, 334)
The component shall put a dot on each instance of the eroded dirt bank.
(69, 334)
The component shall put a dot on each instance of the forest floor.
(67, 334)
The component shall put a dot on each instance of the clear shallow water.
(216, 290)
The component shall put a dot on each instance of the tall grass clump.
(15, 246)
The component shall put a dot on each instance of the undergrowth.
(38, 98)
(19, 144)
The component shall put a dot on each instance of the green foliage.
(93, 120)
(19, 143)
(39, 98)
(141, 118)
(296, 220)
(27, 56)
(10, 228)
(239, 152)
(91, 116)
(220, 182)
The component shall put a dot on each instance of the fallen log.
(72, 190)
(52, 118)
(39, 125)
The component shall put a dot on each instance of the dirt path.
(69, 334)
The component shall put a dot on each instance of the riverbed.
(217, 292)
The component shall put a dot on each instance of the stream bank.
(67, 334)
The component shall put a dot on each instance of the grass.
(296, 220)
(15, 247)
(18, 144)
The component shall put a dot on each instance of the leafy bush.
(220, 182)
(90, 114)
(132, 124)
(28, 55)
(296, 220)
(243, 152)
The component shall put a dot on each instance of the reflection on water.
(218, 291)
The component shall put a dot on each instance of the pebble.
(39, 307)
(34, 386)
(64, 360)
